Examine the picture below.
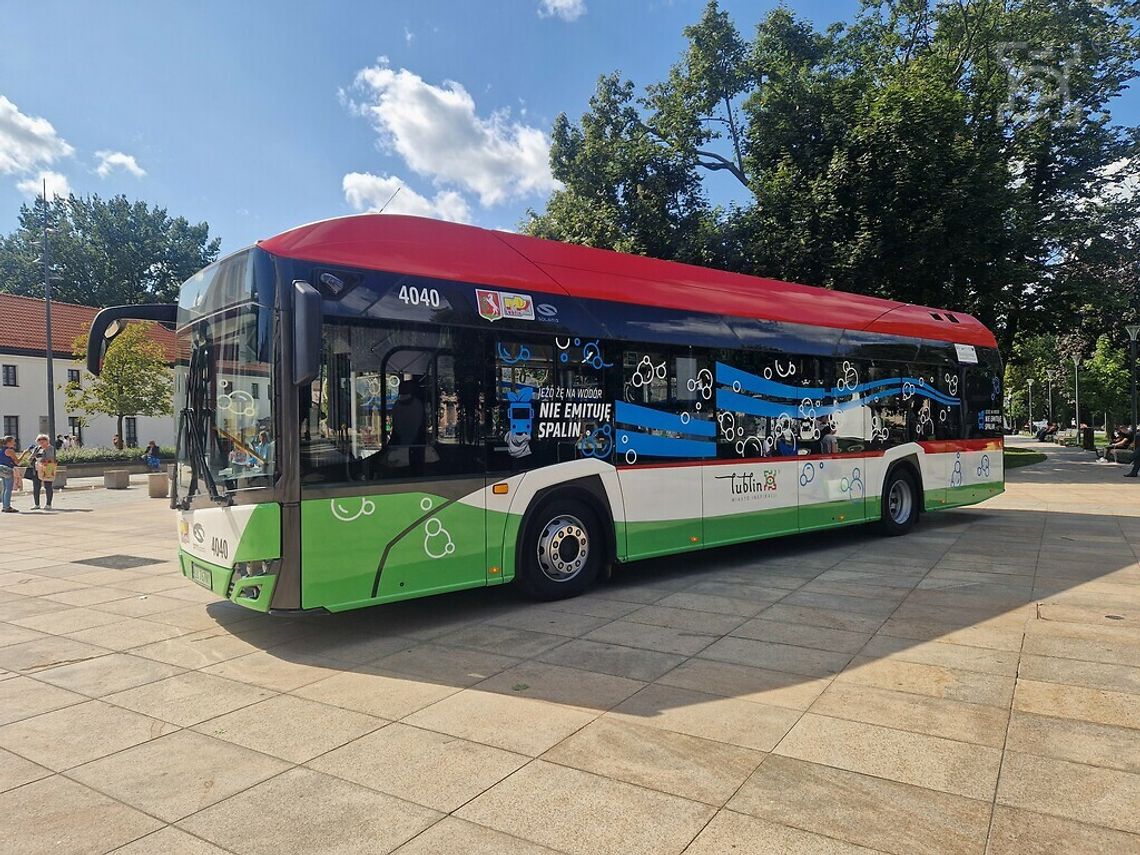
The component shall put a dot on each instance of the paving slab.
(57, 815)
(178, 774)
(586, 814)
(431, 769)
(338, 818)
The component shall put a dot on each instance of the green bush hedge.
(107, 455)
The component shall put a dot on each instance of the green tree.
(104, 252)
(623, 189)
(1106, 382)
(135, 380)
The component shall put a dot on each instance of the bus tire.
(562, 550)
(900, 502)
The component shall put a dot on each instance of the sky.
(260, 116)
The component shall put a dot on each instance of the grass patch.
(1015, 457)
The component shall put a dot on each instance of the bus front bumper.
(248, 583)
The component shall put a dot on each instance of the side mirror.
(306, 333)
(111, 321)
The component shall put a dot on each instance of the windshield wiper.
(195, 442)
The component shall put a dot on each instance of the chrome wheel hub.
(563, 548)
(900, 501)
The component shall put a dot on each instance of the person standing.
(152, 457)
(9, 460)
(43, 470)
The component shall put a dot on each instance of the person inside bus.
(409, 427)
(828, 441)
(786, 444)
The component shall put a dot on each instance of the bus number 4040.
(414, 296)
(220, 547)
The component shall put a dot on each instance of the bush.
(107, 455)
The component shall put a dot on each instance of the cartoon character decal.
(520, 419)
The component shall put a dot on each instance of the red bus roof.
(442, 250)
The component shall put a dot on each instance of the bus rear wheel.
(900, 503)
(562, 551)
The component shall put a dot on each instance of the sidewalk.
(973, 687)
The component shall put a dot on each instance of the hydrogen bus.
(374, 408)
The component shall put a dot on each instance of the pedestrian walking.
(43, 470)
(9, 461)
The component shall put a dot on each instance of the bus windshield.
(225, 377)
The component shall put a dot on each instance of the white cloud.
(567, 10)
(367, 192)
(111, 160)
(409, 36)
(27, 142)
(439, 135)
(57, 185)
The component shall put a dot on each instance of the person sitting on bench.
(1121, 441)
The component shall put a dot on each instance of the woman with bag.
(9, 460)
(43, 470)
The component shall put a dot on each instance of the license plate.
(202, 576)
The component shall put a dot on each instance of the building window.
(10, 375)
(73, 376)
(131, 429)
(12, 428)
(75, 427)
(44, 426)
(255, 391)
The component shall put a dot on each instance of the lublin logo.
(743, 486)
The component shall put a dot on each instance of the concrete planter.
(60, 478)
(158, 485)
(116, 479)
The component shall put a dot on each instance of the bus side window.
(887, 416)
(948, 420)
(645, 376)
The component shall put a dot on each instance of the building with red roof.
(23, 376)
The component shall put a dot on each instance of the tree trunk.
(119, 430)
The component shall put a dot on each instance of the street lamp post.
(47, 326)
(1133, 330)
(1030, 405)
(1077, 394)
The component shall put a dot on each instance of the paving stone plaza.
(973, 687)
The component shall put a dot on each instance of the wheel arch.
(910, 463)
(590, 491)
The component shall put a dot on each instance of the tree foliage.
(135, 380)
(944, 153)
(104, 252)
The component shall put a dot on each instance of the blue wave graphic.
(645, 417)
(728, 375)
(649, 445)
(735, 402)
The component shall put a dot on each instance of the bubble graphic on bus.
(349, 509)
(437, 540)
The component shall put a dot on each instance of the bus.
(373, 408)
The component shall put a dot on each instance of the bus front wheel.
(900, 502)
(562, 551)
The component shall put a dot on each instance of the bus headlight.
(242, 569)
(248, 569)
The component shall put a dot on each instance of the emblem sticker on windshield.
(494, 305)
